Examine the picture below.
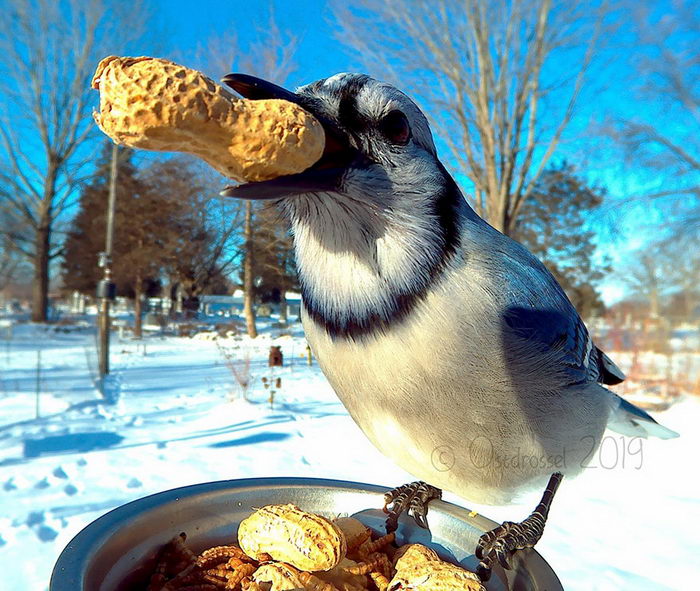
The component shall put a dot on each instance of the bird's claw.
(502, 542)
(412, 498)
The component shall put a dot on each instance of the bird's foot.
(412, 498)
(503, 541)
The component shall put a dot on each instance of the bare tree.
(269, 56)
(207, 225)
(666, 275)
(8, 262)
(493, 78)
(682, 270)
(646, 280)
(274, 257)
(663, 280)
(10, 257)
(663, 137)
(50, 50)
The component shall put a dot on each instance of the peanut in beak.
(156, 104)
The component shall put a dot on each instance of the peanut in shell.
(435, 575)
(156, 104)
(304, 540)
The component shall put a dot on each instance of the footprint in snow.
(46, 533)
(59, 473)
(134, 483)
(43, 483)
(35, 518)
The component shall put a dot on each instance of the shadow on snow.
(251, 439)
(70, 442)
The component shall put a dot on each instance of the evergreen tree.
(552, 225)
(168, 223)
(86, 238)
(144, 238)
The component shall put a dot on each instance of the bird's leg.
(412, 498)
(500, 543)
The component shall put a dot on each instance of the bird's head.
(377, 216)
(378, 142)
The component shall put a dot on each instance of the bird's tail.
(628, 419)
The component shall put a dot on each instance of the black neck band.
(449, 206)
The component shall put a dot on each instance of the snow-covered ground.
(628, 522)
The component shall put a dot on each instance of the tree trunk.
(495, 212)
(689, 301)
(654, 303)
(40, 286)
(248, 283)
(138, 301)
(42, 248)
(509, 225)
(283, 306)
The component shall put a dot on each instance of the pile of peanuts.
(281, 547)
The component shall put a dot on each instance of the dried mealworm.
(381, 581)
(239, 573)
(367, 549)
(313, 583)
(220, 554)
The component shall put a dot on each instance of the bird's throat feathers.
(364, 268)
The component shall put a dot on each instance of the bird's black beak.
(324, 176)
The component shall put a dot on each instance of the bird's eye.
(395, 128)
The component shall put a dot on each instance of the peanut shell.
(288, 534)
(413, 554)
(156, 104)
(281, 576)
(435, 575)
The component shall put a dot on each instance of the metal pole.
(8, 336)
(106, 287)
(104, 337)
(37, 388)
(112, 199)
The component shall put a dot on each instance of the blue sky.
(609, 95)
(183, 26)
(319, 54)
(179, 29)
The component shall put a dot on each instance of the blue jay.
(451, 346)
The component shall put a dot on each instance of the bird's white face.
(396, 153)
(377, 217)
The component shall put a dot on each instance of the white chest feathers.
(354, 264)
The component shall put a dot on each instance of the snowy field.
(179, 418)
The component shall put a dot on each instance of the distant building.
(228, 305)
